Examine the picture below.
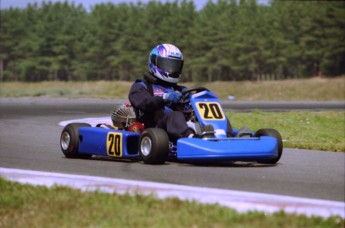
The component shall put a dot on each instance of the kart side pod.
(108, 142)
(229, 149)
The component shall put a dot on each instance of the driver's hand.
(173, 97)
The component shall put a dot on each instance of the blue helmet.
(166, 63)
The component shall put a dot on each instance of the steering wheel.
(194, 90)
(184, 104)
(188, 92)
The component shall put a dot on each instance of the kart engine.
(123, 116)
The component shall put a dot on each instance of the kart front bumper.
(229, 149)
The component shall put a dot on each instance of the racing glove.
(172, 97)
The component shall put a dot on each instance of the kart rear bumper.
(230, 149)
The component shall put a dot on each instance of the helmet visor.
(172, 66)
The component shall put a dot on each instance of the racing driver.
(154, 98)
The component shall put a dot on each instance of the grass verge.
(304, 130)
(38, 206)
(317, 89)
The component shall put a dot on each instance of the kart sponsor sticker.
(210, 110)
(114, 144)
(158, 92)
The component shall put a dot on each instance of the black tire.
(273, 133)
(154, 146)
(69, 140)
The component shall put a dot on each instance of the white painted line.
(92, 121)
(240, 201)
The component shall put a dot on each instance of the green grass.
(318, 89)
(97, 89)
(305, 130)
(38, 206)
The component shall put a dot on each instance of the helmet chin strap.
(150, 78)
(154, 80)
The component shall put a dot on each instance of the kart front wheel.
(273, 133)
(69, 140)
(154, 146)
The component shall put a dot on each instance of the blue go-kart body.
(260, 146)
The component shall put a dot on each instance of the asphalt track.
(29, 139)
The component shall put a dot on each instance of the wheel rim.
(146, 146)
(65, 140)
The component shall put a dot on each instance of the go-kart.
(214, 139)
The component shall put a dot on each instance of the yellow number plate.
(210, 110)
(114, 144)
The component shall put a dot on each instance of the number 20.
(211, 111)
(114, 144)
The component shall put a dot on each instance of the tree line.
(225, 40)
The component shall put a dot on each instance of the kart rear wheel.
(154, 146)
(273, 133)
(69, 140)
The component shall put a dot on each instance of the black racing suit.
(146, 98)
